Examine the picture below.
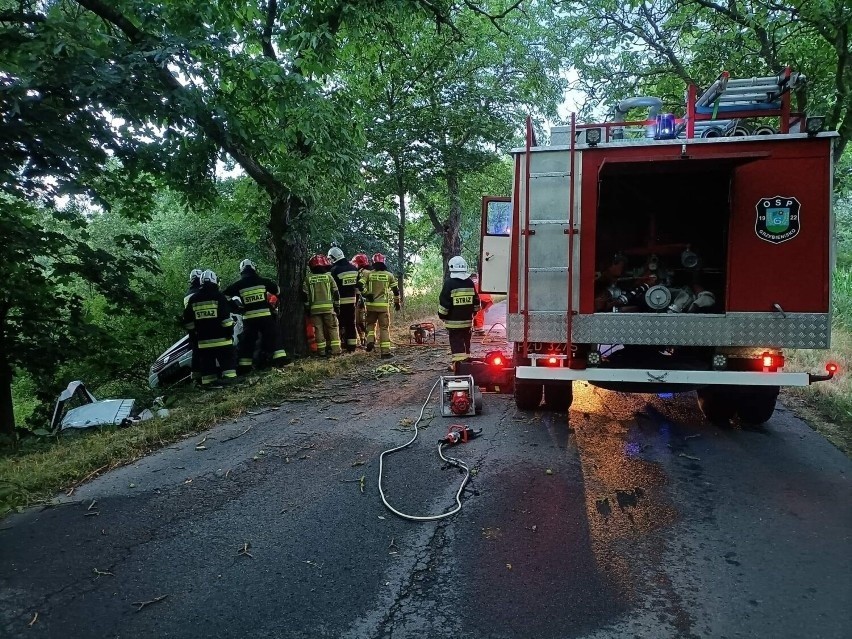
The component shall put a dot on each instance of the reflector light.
(831, 367)
(767, 361)
(552, 360)
(720, 362)
(497, 361)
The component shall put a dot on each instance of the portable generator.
(421, 333)
(460, 396)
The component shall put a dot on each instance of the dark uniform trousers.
(215, 360)
(459, 343)
(271, 343)
(348, 332)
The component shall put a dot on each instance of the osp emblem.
(778, 219)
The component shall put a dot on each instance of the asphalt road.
(630, 517)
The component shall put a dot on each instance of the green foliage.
(440, 103)
(842, 294)
(49, 269)
(843, 230)
(623, 49)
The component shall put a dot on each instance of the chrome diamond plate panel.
(796, 330)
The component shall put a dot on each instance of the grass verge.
(827, 406)
(38, 469)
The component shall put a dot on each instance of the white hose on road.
(451, 461)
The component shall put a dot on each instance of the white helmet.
(458, 267)
(209, 276)
(195, 274)
(247, 263)
(335, 254)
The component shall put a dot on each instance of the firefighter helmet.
(335, 254)
(247, 264)
(360, 260)
(210, 277)
(458, 267)
(318, 260)
(378, 258)
(195, 275)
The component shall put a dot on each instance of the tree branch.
(767, 51)
(152, 48)
(494, 18)
(20, 17)
(266, 36)
(431, 213)
(664, 48)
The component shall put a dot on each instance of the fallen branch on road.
(229, 439)
(142, 604)
(87, 478)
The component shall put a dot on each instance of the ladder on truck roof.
(545, 226)
(728, 100)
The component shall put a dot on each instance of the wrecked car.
(174, 365)
(76, 407)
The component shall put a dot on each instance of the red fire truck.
(669, 254)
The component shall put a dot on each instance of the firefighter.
(194, 284)
(485, 302)
(194, 287)
(376, 286)
(346, 277)
(457, 304)
(322, 299)
(258, 320)
(362, 263)
(208, 315)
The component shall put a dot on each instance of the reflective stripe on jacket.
(252, 290)
(208, 314)
(376, 286)
(458, 302)
(320, 293)
(346, 276)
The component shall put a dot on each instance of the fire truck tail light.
(495, 358)
(552, 360)
(772, 362)
(831, 368)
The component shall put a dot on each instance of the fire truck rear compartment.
(662, 236)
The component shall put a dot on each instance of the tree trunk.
(451, 245)
(400, 237)
(291, 256)
(7, 410)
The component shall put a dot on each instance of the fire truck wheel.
(527, 396)
(755, 406)
(717, 404)
(558, 397)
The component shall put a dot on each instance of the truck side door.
(495, 244)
